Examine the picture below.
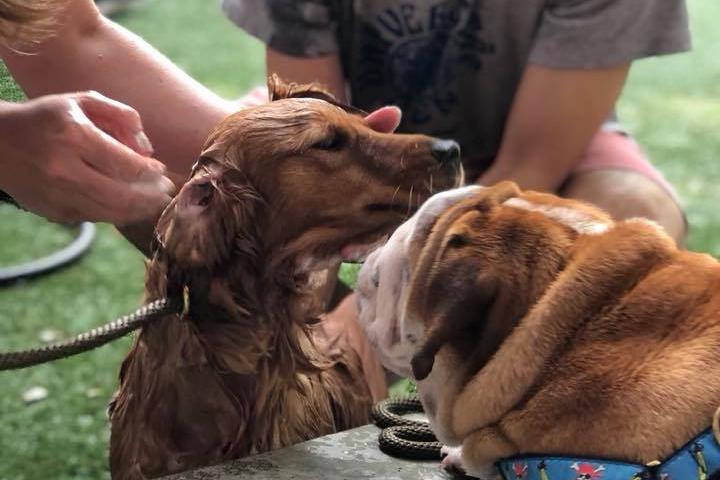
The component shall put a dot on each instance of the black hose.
(401, 436)
(56, 260)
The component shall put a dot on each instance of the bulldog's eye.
(334, 140)
(375, 279)
(456, 241)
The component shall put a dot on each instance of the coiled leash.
(90, 340)
(403, 437)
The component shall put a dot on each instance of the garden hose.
(62, 258)
(92, 339)
(56, 260)
(401, 436)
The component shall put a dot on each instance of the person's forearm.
(91, 52)
(6, 108)
(554, 116)
(538, 173)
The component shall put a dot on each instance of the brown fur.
(278, 191)
(542, 338)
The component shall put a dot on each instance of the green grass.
(672, 105)
(198, 38)
(66, 436)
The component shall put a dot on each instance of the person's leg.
(616, 176)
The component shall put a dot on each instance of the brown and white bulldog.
(535, 324)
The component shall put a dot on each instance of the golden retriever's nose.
(445, 151)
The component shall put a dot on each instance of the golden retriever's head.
(295, 182)
(465, 269)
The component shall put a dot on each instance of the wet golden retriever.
(280, 191)
(537, 325)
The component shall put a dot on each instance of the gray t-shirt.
(454, 66)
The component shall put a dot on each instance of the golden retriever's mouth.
(404, 204)
(387, 207)
(357, 249)
(358, 252)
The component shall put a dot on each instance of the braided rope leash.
(92, 339)
(403, 437)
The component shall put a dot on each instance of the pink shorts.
(613, 149)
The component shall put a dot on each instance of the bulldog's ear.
(498, 194)
(467, 308)
(423, 361)
(279, 89)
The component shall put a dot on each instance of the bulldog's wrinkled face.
(468, 264)
(453, 282)
(384, 280)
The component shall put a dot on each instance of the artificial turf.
(672, 106)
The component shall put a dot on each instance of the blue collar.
(696, 460)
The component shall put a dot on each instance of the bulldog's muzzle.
(384, 280)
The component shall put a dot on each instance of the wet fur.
(549, 329)
(248, 368)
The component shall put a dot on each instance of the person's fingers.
(110, 157)
(119, 120)
(384, 119)
(72, 207)
(88, 195)
(109, 200)
(66, 205)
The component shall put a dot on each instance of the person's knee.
(627, 194)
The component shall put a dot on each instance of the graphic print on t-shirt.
(417, 55)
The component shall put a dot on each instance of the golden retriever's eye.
(456, 241)
(335, 140)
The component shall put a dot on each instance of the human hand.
(80, 157)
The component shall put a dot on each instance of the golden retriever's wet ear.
(279, 89)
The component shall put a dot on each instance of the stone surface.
(353, 454)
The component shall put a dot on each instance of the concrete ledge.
(353, 454)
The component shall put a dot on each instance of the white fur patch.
(574, 219)
(647, 222)
(436, 206)
(453, 458)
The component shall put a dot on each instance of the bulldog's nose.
(445, 151)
